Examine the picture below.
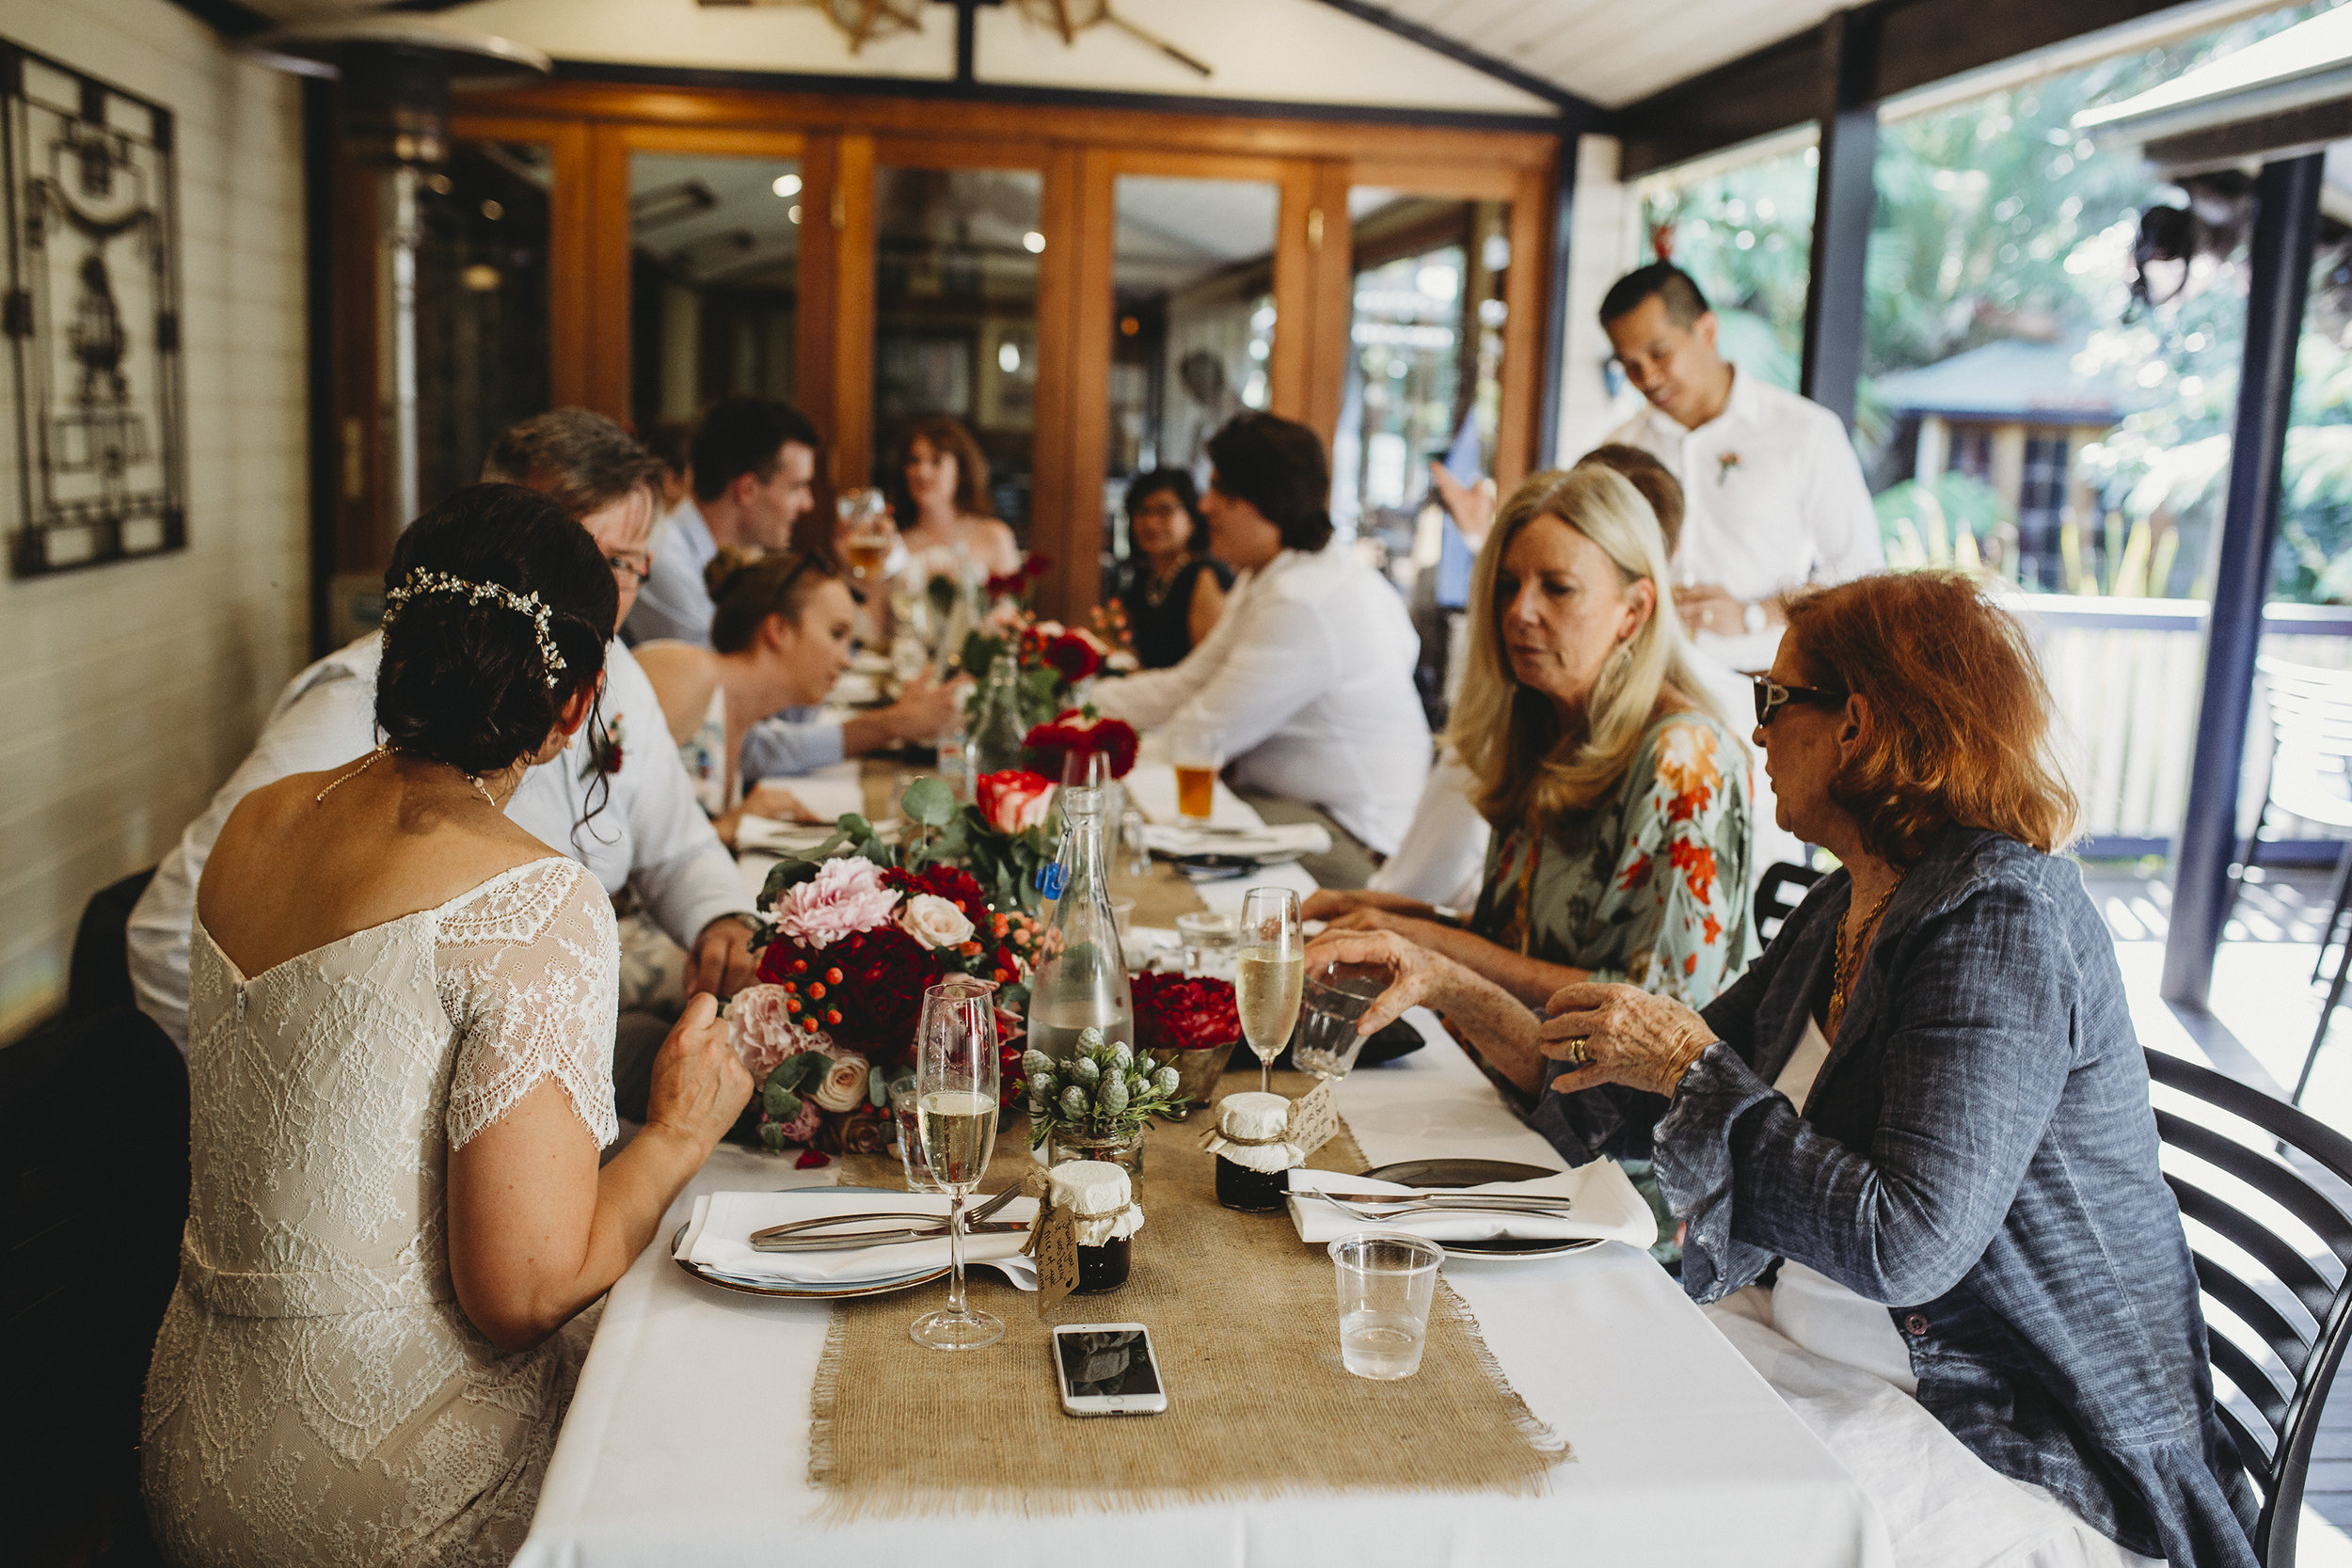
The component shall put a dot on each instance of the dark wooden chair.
(1778, 893)
(2299, 1302)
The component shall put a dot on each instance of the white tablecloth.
(688, 1441)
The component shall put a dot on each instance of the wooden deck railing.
(2125, 674)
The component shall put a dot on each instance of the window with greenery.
(1744, 234)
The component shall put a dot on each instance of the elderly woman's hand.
(1417, 977)
(1622, 1035)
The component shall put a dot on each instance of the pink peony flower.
(762, 1031)
(846, 896)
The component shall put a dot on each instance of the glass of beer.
(866, 531)
(1195, 752)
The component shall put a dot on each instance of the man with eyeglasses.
(649, 835)
(753, 471)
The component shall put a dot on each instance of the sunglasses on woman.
(1771, 697)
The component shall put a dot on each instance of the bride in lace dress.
(400, 1055)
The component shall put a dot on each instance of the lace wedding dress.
(317, 1396)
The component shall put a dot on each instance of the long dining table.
(687, 1439)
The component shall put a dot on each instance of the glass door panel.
(481, 306)
(1424, 375)
(955, 320)
(714, 281)
(1192, 296)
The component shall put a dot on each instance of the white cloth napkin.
(719, 1237)
(1298, 838)
(1603, 1203)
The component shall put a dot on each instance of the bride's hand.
(700, 1086)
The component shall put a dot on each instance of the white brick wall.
(1605, 244)
(129, 691)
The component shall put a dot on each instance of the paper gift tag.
(1314, 1120)
(1057, 1255)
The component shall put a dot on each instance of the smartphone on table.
(1108, 1370)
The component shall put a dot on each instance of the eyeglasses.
(1771, 697)
(638, 566)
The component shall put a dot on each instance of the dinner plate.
(834, 1289)
(1477, 1173)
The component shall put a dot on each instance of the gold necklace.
(1850, 965)
(378, 755)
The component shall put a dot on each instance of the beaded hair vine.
(425, 580)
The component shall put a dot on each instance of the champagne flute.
(1268, 972)
(955, 1114)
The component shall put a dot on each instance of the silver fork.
(1388, 1209)
(800, 1227)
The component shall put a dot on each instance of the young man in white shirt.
(1774, 497)
(650, 836)
(755, 471)
(1307, 681)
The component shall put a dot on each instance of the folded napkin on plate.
(719, 1237)
(1299, 838)
(1603, 1203)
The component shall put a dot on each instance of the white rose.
(844, 1084)
(935, 922)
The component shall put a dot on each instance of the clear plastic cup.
(1336, 995)
(1386, 1280)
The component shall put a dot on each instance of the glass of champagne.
(955, 1116)
(1269, 970)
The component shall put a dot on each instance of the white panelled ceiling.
(1611, 52)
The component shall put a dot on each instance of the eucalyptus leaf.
(786, 874)
(929, 801)
(780, 1103)
(880, 853)
(807, 1067)
(854, 826)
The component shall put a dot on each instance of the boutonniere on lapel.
(1723, 464)
(604, 750)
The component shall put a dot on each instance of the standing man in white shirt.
(1307, 681)
(754, 474)
(1773, 497)
(650, 836)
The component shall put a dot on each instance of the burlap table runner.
(1244, 1322)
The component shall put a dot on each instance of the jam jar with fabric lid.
(1103, 1215)
(1253, 1151)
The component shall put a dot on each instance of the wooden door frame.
(840, 139)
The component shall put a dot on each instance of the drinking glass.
(866, 531)
(1268, 969)
(1335, 996)
(1197, 755)
(1208, 937)
(918, 1169)
(955, 1114)
(1386, 1280)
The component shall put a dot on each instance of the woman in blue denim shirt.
(1925, 1099)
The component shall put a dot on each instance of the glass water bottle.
(996, 742)
(1081, 982)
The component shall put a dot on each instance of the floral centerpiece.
(859, 927)
(1095, 1105)
(1055, 661)
(1191, 1022)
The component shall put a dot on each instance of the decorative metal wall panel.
(92, 319)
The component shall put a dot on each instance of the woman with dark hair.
(401, 1028)
(1927, 1102)
(939, 495)
(782, 631)
(1305, 684)
(1176, 589)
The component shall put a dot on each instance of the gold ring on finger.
(1578, 1054)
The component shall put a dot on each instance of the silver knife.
(853, 1240)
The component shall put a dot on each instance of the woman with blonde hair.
(1617, 796)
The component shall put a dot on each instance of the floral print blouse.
(1651, 888)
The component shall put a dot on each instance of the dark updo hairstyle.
(746, 589)
(465, 683)
(1276, 465)
(1177, 483)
